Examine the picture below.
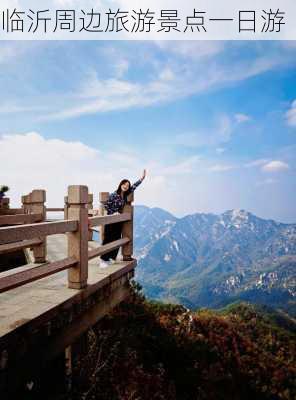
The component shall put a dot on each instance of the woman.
(115, 204)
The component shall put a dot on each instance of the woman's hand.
(144, 175)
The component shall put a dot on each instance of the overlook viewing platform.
(51, 300)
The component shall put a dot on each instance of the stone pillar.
(26, 204)
(90, 207)
(127, 229)
(37, 206)
(78, 241)
(103, 198)
(4, 203)
(66, 207)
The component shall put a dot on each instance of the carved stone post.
(37, 206)
(4, 203)
(78, 241)
(90, 207)
(127, 229)
(26, 204)
(66, 207)
(103, 198)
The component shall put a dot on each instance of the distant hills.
(208, 260)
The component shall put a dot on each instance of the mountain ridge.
(203, 258)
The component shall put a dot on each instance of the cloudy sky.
(214, 123)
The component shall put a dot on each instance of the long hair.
(125, 194)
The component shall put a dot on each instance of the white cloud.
(121, 67)
(190, 139)
(14, 108)
(172, 83)
(275, 166)
(291, 114)
(98, 96)
(265, 182)
(11, 50)
(167, 72)
(220, 150)
(36, 162)
(221, 168)
(225, 128)
(7, 53)
(107, 89)
(256, 163)
(188, 166)
(192, 49)
(53, 164)
(240, 118)
(166, 79)
(31, 161)
(219, 134)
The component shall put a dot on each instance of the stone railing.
(30, 230)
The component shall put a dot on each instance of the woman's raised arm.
(138, 182)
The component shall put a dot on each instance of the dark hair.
(118, 191)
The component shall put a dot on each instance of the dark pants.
(112, 232)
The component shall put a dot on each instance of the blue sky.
(214, 123)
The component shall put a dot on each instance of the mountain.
(155, 223)
(208, 260)
(154, 351)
